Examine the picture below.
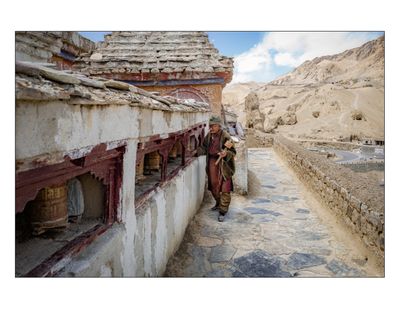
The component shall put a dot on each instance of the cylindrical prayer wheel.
(140, 168)
(49, 209)
(152, 161)
(173, 152)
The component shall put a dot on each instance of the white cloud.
(286, 59)
(248, 64)
(290, 49)
(301, 46)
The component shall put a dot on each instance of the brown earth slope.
(329, 97)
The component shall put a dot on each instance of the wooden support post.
(164, 155)
(111, 196)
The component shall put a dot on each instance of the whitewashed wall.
(142, 244)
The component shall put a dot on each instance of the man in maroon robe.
(220, 167)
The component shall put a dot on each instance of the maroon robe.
(216, 183)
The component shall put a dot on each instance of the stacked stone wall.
(354, 197)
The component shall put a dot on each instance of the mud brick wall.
(354, 197)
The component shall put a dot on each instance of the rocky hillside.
(362, 65)
(332, 97)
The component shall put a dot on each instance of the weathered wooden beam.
(55, 262)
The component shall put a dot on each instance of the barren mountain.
(330, 97)
(357, 65)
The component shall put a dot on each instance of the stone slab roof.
(41, 46)
(155, 52)
(42, 82)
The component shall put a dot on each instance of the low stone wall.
(332, 144)
(365, 166)
(256, 138)
(353, 197)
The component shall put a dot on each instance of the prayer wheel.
(49, 210)
(173, 152)
(152, 161)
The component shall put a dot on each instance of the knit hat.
(215, 120)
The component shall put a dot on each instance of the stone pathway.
(272, 232)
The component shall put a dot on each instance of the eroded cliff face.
(262, 118)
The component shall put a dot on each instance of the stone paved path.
(273, 232)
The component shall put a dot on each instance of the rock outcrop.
(315, 114)
(357, 115)
(289, 118)
(254, 118)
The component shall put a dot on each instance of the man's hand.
(222, 154)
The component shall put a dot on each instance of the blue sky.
(229, 43)
(95, 36)
(264, 56)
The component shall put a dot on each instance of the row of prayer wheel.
(53, 206)
(152, 161)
